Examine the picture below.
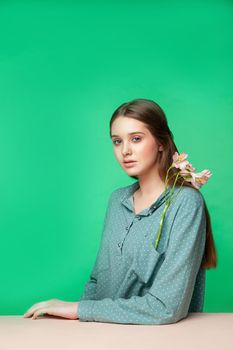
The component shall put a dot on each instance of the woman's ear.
(160, 148)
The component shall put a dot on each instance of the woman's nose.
(126, 149)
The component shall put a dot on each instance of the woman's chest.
(131, 250)
(132, 234)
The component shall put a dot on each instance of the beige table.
(207, 331)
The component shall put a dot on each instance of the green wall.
(64, 68)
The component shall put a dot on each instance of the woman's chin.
(131, 172)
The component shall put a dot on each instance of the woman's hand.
(53, 307)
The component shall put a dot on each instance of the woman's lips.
(129, 164)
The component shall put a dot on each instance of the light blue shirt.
(134, 283)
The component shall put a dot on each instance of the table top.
(205, 331)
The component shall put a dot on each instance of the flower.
(179, 160)
(201, 178)
(186, 172)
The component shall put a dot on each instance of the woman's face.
(133, 141)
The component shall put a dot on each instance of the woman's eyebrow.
(131, 133)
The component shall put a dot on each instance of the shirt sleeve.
(168, 299)
(90, 287)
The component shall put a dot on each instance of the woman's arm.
(168, 299)
(90, 287)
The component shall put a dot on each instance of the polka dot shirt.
(133, 282)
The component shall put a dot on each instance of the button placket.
(119, 247)
(137, 217)
(120, 244)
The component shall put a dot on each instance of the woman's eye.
(136, 137)
(114, 141)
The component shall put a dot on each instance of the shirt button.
(127, 227)
(119, 244)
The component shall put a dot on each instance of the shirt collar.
(127, 199)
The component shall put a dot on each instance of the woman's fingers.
(54, 307)
(38, 313)
(30, 312)
(34, 308)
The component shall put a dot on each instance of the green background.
(65, 66)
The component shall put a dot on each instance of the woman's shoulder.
(190, 195)
(187, 195)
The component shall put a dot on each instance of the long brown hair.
(151, 114)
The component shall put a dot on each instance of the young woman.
(133, 282)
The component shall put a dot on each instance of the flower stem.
(167, 204)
